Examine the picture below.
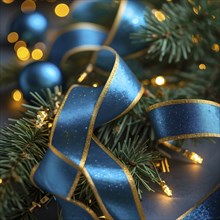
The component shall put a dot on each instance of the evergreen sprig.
(181, 30)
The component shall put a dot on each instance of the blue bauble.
(37, 76)
(31, 27)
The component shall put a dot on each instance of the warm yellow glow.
(7, 1)
(28, 6)
(82, 77)
(196, 10)
(95, 84)
(37, 54)
(19, 44)
(160, 80)
(17, 95)
(62, 10)
(23, 53)
(159, 15)
(215, 47)
(202, 66)
(145, 82)
(40, 45)
(1, 181)
(166, 189)
(193, 156)
(12, 37)
(196, 38)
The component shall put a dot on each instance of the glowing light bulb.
(202, 66)
(82, 77)
(166, 189)
(215, 47)
(193, 156)
(37, 54)
(159, 15)
(1, 181)
(160, 80)
(17, 95)
(7, 1)
(12, 37)
(62, 10)
(23, 53)
(95, 84)
(28, 6)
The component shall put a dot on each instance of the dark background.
(189, 182)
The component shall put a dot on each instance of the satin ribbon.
(128, 19)
(74, 150)
(185, 118)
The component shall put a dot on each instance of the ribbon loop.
(74, 150)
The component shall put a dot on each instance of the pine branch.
(182, 30)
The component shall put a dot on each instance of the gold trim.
(97, 106)
(198, 203)
(75, 202)
(182, 101)
(172, 147)
(74, 185)
(128, 174)
(75, 26)
(116, 22)
(135, 101)
(184, 136)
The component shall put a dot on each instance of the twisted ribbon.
(74, 150)
(185, 118)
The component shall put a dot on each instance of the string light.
(166, 189)
(28, 6)
(197, 9)
(196, 39)
(37, 54)
(12, 37)
(193, 156)
(159, 15)
(17, 95)
(7, 1)
(202, 66)
(215, 47)
(19, 44)
(82, 77)
(23, 53)
(1, 181)
(62, 10)
(160, 80)
(95, 84)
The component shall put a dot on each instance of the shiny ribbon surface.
(185, 118)
(74, 150)
(85, 34)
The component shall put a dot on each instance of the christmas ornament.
(37, 76)
(30, 27)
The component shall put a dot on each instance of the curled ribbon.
(74, 150)
(185, 118)
(86, 35)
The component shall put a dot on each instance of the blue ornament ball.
(31, 27)
(37, 76)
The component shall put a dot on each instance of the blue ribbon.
(185, 118)
(129, 19)
(74, 150)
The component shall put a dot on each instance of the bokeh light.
(23, 53)
(202, 66)
(37, 54)
(28, 6)
(19, 44)
(7, 1)
(12, 37)
(17, 95)
(160, 80)
(62, 10)
(215, 47)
